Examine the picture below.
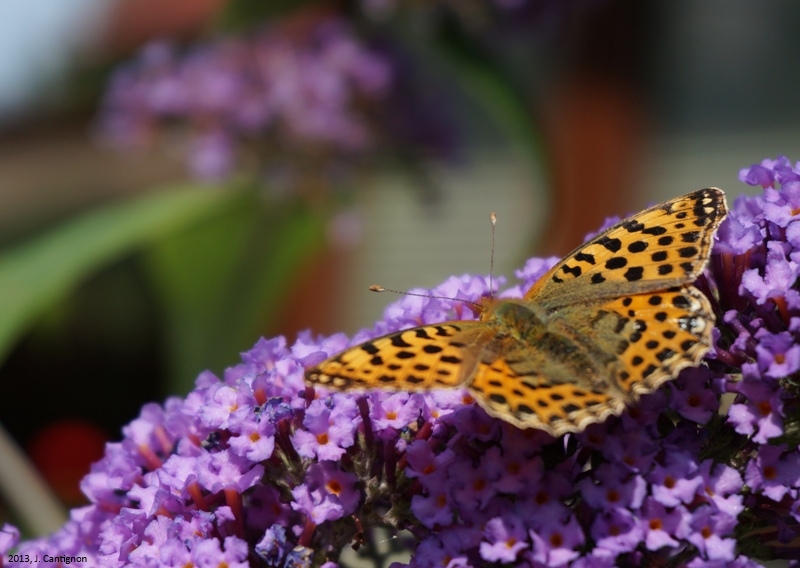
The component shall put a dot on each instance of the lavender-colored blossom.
(738, 234)
(330, 430)
(711, 531)
(762, 413)
(302, 94)
(424, 462)
(778, 354)
(396, 411)
(436, 507)
(676, 481)
(472, 485)
(274, 545)
(693, 396)
(634, 449)
(225, 470)
(661, 525)
(612, 486)
(774, 472)
(504, 539)
(557, 543)
(329, 493)
(779, 275)
(9, 537)
(722, 485)
(617, 531)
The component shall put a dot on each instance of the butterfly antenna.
(378, 288)
(493, 221)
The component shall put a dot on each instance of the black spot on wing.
(610, 244)
(633, 226)
(398, 341)
(664, 354)
(681, 302)
(498, 398)
(634, 273)
(616, 262)
(655, 230)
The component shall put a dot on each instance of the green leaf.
(244, 14)
(36, 275)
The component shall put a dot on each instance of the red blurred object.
(63, 452)
(135, 22)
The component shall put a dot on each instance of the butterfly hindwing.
(535, 400)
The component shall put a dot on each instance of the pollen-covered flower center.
(254, 437)
(334, 487)
(322, 438)
(556, 540)
(770, 472)
(656, 524)
(391, 414)
(669, 482)
(765, 408)
(780, 358)
(706, 532)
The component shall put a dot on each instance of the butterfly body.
(614, 319)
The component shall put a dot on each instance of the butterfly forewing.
(421, 358)
(665, 245)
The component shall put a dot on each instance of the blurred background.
(181, 177)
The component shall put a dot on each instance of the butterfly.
(612, 320)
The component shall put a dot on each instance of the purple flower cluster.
(286, 95)
(257, 469)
